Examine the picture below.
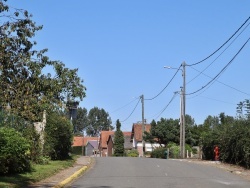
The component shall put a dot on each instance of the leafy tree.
(163, 132)
(24, 86)
(58, 136)
(81, 121)
(118, 140)
(98, 120)
(243, 109)
(150, 136)
(189, 125)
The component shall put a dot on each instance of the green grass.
(39, 172)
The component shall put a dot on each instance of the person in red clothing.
(216, 153)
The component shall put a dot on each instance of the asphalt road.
(126, 172)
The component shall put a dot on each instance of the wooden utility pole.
(183, 109)
(181, 123)
(143, 126)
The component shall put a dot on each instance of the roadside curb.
(74, 176)
(71, 178)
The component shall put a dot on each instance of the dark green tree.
(190, 136)
(81, 121)
(24, 86)
(163, 132)
(118, 140)
(243, 109)
(58, 136)
(98, 120)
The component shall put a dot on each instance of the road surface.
(127, 172)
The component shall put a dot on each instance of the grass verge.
(38, 173)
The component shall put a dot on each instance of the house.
(78, 141)
(91, 148)
(82, 141)
(136, 138)
(87, 138)
(103, 147)
(127, 143)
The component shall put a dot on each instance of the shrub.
(35, 143)
(14, 152)
(158, 153)
(78, 150)
(58, 137)
(132, 153)
(174, 150)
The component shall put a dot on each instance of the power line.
(218, 100)
(221, 70)
(222, 83)
(158, 114)
(124, 105)
(221, 45)
(132, 111)
(201, 72)
(166, 85)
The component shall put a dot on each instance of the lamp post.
(72, 106)
(183, 109)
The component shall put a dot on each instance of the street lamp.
(72, 106)
(183, 109)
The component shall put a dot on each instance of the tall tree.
(24, 86)
(98, 120)
(164, 131)
(243, 109)
(118, 140)
(81, 121)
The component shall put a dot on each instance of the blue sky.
(121, 47)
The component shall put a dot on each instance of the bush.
(233, 141)
(14, 152)
(35, 143)
(158, 153)
(58, 137)
(132, 153)
(78, 150)
(174, 150)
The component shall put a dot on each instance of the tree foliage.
(24, 85)
(81, 121)
(98, 120)
(232, 136)
(58, 136)
(14, 152)
(118, 140)
(163, 132)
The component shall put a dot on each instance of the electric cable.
(221, 45)
(158, 114)
(131, 112)
(165, 86)
(231, 87)
(224, 68)
(200, 72)
(124, 105)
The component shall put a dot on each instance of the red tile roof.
(104, 136)
(127, 133)
(77, 141)
(82, 141)
(137, 131)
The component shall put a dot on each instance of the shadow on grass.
(15, 180)
(37, 173)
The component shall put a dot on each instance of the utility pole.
(183, 108)
(143, 127)
(181, 123)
